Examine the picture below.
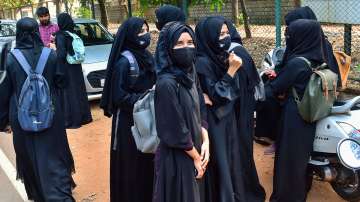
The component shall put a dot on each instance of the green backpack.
(320, 93)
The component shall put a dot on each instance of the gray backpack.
(35, 108)
(144, 128)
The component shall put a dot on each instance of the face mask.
(225, 43)
(144, 40)
(184, 58)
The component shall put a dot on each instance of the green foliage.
(139, 13)
(5, 4)
(214, 4)
(357, 67)
(83, 12)
(241, 19)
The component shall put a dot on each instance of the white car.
(97, 40)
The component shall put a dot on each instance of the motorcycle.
(336, 154)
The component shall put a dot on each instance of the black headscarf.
(168, 13)
(300, 13)
(27, 34)
(65, 22)
(168, 37)
(304, 39)
(235, 36)
(126, 39)
(248, 63)
(207, 33)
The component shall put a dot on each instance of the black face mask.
(144, 40)
(225, 43)
(184, 58)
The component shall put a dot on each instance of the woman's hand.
(193, 153)
(207, 100)
(235, 63)
(199, 169)
(205, 149)
(271, 74)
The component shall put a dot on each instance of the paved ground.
(90, 147)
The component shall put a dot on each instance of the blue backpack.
(35, 108)
(79, 50)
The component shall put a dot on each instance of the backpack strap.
(134, 66)
(22, 60)
(42, 60)
(295, 94)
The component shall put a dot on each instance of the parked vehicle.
(336, 155)
(97, 40)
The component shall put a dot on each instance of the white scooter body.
(329, 133)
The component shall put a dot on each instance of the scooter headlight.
(350, 130)
(348, 151)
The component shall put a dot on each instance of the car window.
(7, 30)
(93, 34)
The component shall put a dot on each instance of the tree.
(6, 4)
(103, 13)
(235, 11)
(246, 19)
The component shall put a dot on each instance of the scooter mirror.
(348, 151)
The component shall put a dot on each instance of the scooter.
(336, 155)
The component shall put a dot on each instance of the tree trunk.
(103, 13)
(246, 19)
(57, 5)
(297, 3)
(235, 11)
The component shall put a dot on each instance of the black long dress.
(131, 172)
(175, 169)
(75, 104)
(295, 140)
(245, 107)
(130, 169)
(180, 116)
(232, 170)
(43, 160)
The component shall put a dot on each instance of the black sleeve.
(122, 97)
(170, 124)
(61, 51)
(203, 108)
(220, 91)
(286, 77)
(6, 92)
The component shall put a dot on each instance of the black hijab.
(234, 34)
(168, 13)
(249, 66)
(126, 39)
(168, 37)
(207, 33)
(300, 13)
(65, 22)
(27, 35)
(304, 39)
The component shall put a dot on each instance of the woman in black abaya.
(43, 159)
(220, 77)
(295, 140)
(76, 107)
(131, 172)
(183, 153)
(245, 107)
(168, 13)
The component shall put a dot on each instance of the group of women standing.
(43, 159)
(204, 106)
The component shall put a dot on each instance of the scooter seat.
(345, 108)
